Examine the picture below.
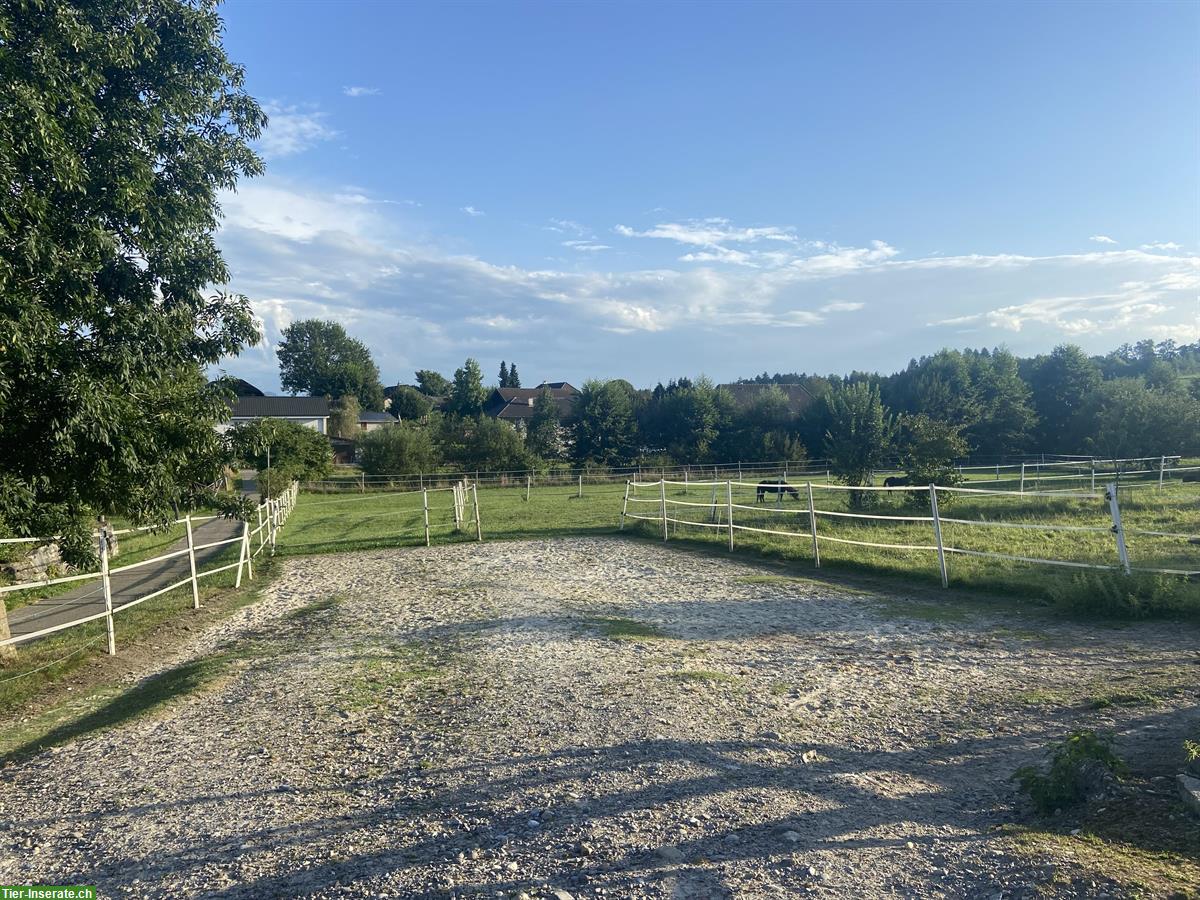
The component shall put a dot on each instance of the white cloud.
(1162, 245)
(360, 91)
(298, 253)
(472, 211)
(1101, 239)
(586, 246)
(292, 130)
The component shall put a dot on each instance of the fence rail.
(270, 516)
(722, 509)
(1020, 474)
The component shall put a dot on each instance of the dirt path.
(595, 717)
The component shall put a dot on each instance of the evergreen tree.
(504, 374)
(544, 437)
(514, 380)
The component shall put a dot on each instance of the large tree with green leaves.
(318, 357)
(122, 121)
(432, 384)
(860, 436)
(605, 427)
(467, 393)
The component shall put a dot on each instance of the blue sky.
(651, 190)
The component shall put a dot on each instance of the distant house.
(515, 405)
(745, 394)
(369, 420)
(312, 412)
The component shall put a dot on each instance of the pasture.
(597, 717)
(324, 523)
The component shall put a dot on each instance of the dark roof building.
(310, 411)
(516, 404)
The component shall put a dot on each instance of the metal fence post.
(729, 510)
(192, 562)
(662, 487)
(812, 526)
(624, 507)
(108, 603)
(425, 507)
(937, 533)
(475, 498)
(1118, 530)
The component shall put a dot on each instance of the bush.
(295, 453)
(401, 449)
(1115, 595)
(1080, 764)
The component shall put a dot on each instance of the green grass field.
(326, 524)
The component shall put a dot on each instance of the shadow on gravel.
(852, 805)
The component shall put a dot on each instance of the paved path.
(88, 598)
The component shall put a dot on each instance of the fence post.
(274, 512)
(580, 485)
(812, 526)
(729, 510)
(243, 553)
(1093, 476)
(425, 507)
(528, 485)
(192, 562)
(662, 487)
(937, 533)
(624, 507)
(107, 584)
(1022, 478)
(685, 479)
(261, 536)
(1162, 465)
(1118, 530)
(475, 498)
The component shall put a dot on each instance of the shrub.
(1080, 764)
(293, 452)
(1116, 595)
(401, 449)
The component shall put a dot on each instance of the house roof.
(281, 408)
(369, 415)
(518, 403)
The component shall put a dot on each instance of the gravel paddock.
(592, 717)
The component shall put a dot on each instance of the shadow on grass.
(149, 695)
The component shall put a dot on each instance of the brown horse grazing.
(896, 481)
(778, 487)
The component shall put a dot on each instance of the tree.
(343, 419)
(1062, 383)
(688, 417)
(514, 380)
(288, 451)
(929, 449)
(319, 358)
(432, 384)
(485, 444)
(503, 374)
(404, 449)
(605, 429)
(409, 404)
(467, 394)
(1129, 419)
(860, 435)
(545, 429)
(122, 123)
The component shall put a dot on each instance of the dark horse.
(775, 487)
(896, 481)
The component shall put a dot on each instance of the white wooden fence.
(721, 511)
(270, 516)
